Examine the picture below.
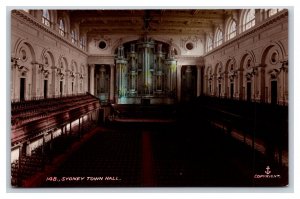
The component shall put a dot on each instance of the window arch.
(46, 18)
(61, 28)
(218, 37)
(249, 19)
(231, 31)
(209, 44)
(271, 12)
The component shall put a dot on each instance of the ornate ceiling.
(95, 22)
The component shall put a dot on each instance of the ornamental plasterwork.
(189, 39)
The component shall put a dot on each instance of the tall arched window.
(61, 28)
(209, 44)
(231, 31)
(74, 37)
(46, 18)
(218, 38)
(249, 19)
(82, 43)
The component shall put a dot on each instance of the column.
(102, 79)
(284, 83)
(96, 84)
(112, 85)
(66, 83)
(33, 93)
(178, 83)
(255, 82)
(92, 79)
(117, 82)
(206, 90)
(226, 85)
(13, 80)
(54, 82)
(214, 85)
(240, 84)
(260, 86)
(199, 80)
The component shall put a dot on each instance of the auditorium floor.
(163, 155)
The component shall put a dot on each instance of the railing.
(37, 98)
(234, 99)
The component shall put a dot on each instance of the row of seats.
(260, 121)
(109, 153)
(39, 101)
(30, 105)
(29, 111)
(28, 166)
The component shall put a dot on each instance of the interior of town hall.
(149, 98)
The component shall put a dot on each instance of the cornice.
(263, 25)
(24, 17)
(188, 57)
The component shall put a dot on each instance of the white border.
(151, 193)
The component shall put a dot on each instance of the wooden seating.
(31, 117)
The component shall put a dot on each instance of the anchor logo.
(267, 171)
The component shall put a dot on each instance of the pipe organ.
(146, 69)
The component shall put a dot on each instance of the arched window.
(231, 30)
(74, 37)
(272, 12)
(46, 18)
(82, 43)
(249, 19)
(209, 44)
(61, 28)
(218, 38)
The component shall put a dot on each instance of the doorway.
(273, 92)
(248, 91)
(61, 88)
(188, 82)
(45, 88)
(22, 88)
(72, 87)
(231, 90)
